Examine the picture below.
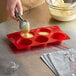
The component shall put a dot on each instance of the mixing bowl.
(62, 10)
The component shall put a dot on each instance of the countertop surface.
(29, 61)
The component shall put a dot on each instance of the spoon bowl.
(24, 25)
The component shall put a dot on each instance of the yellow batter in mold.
(43, 33)
(27, 35)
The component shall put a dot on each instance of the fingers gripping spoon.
(24, 25)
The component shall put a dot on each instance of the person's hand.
(12, 5)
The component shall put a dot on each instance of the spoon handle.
(18, 15)
(73, 4)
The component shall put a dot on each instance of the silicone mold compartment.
(41, 37)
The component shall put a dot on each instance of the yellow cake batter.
(43, 33)
(27, 35)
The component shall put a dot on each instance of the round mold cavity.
(15, 36)
(25, 42)
(41, 39)
(59, 36)
(44, 31)
(27, 35)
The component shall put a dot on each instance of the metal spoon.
(73, 5)
(24, 25)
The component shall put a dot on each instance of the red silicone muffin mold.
(55, 36)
